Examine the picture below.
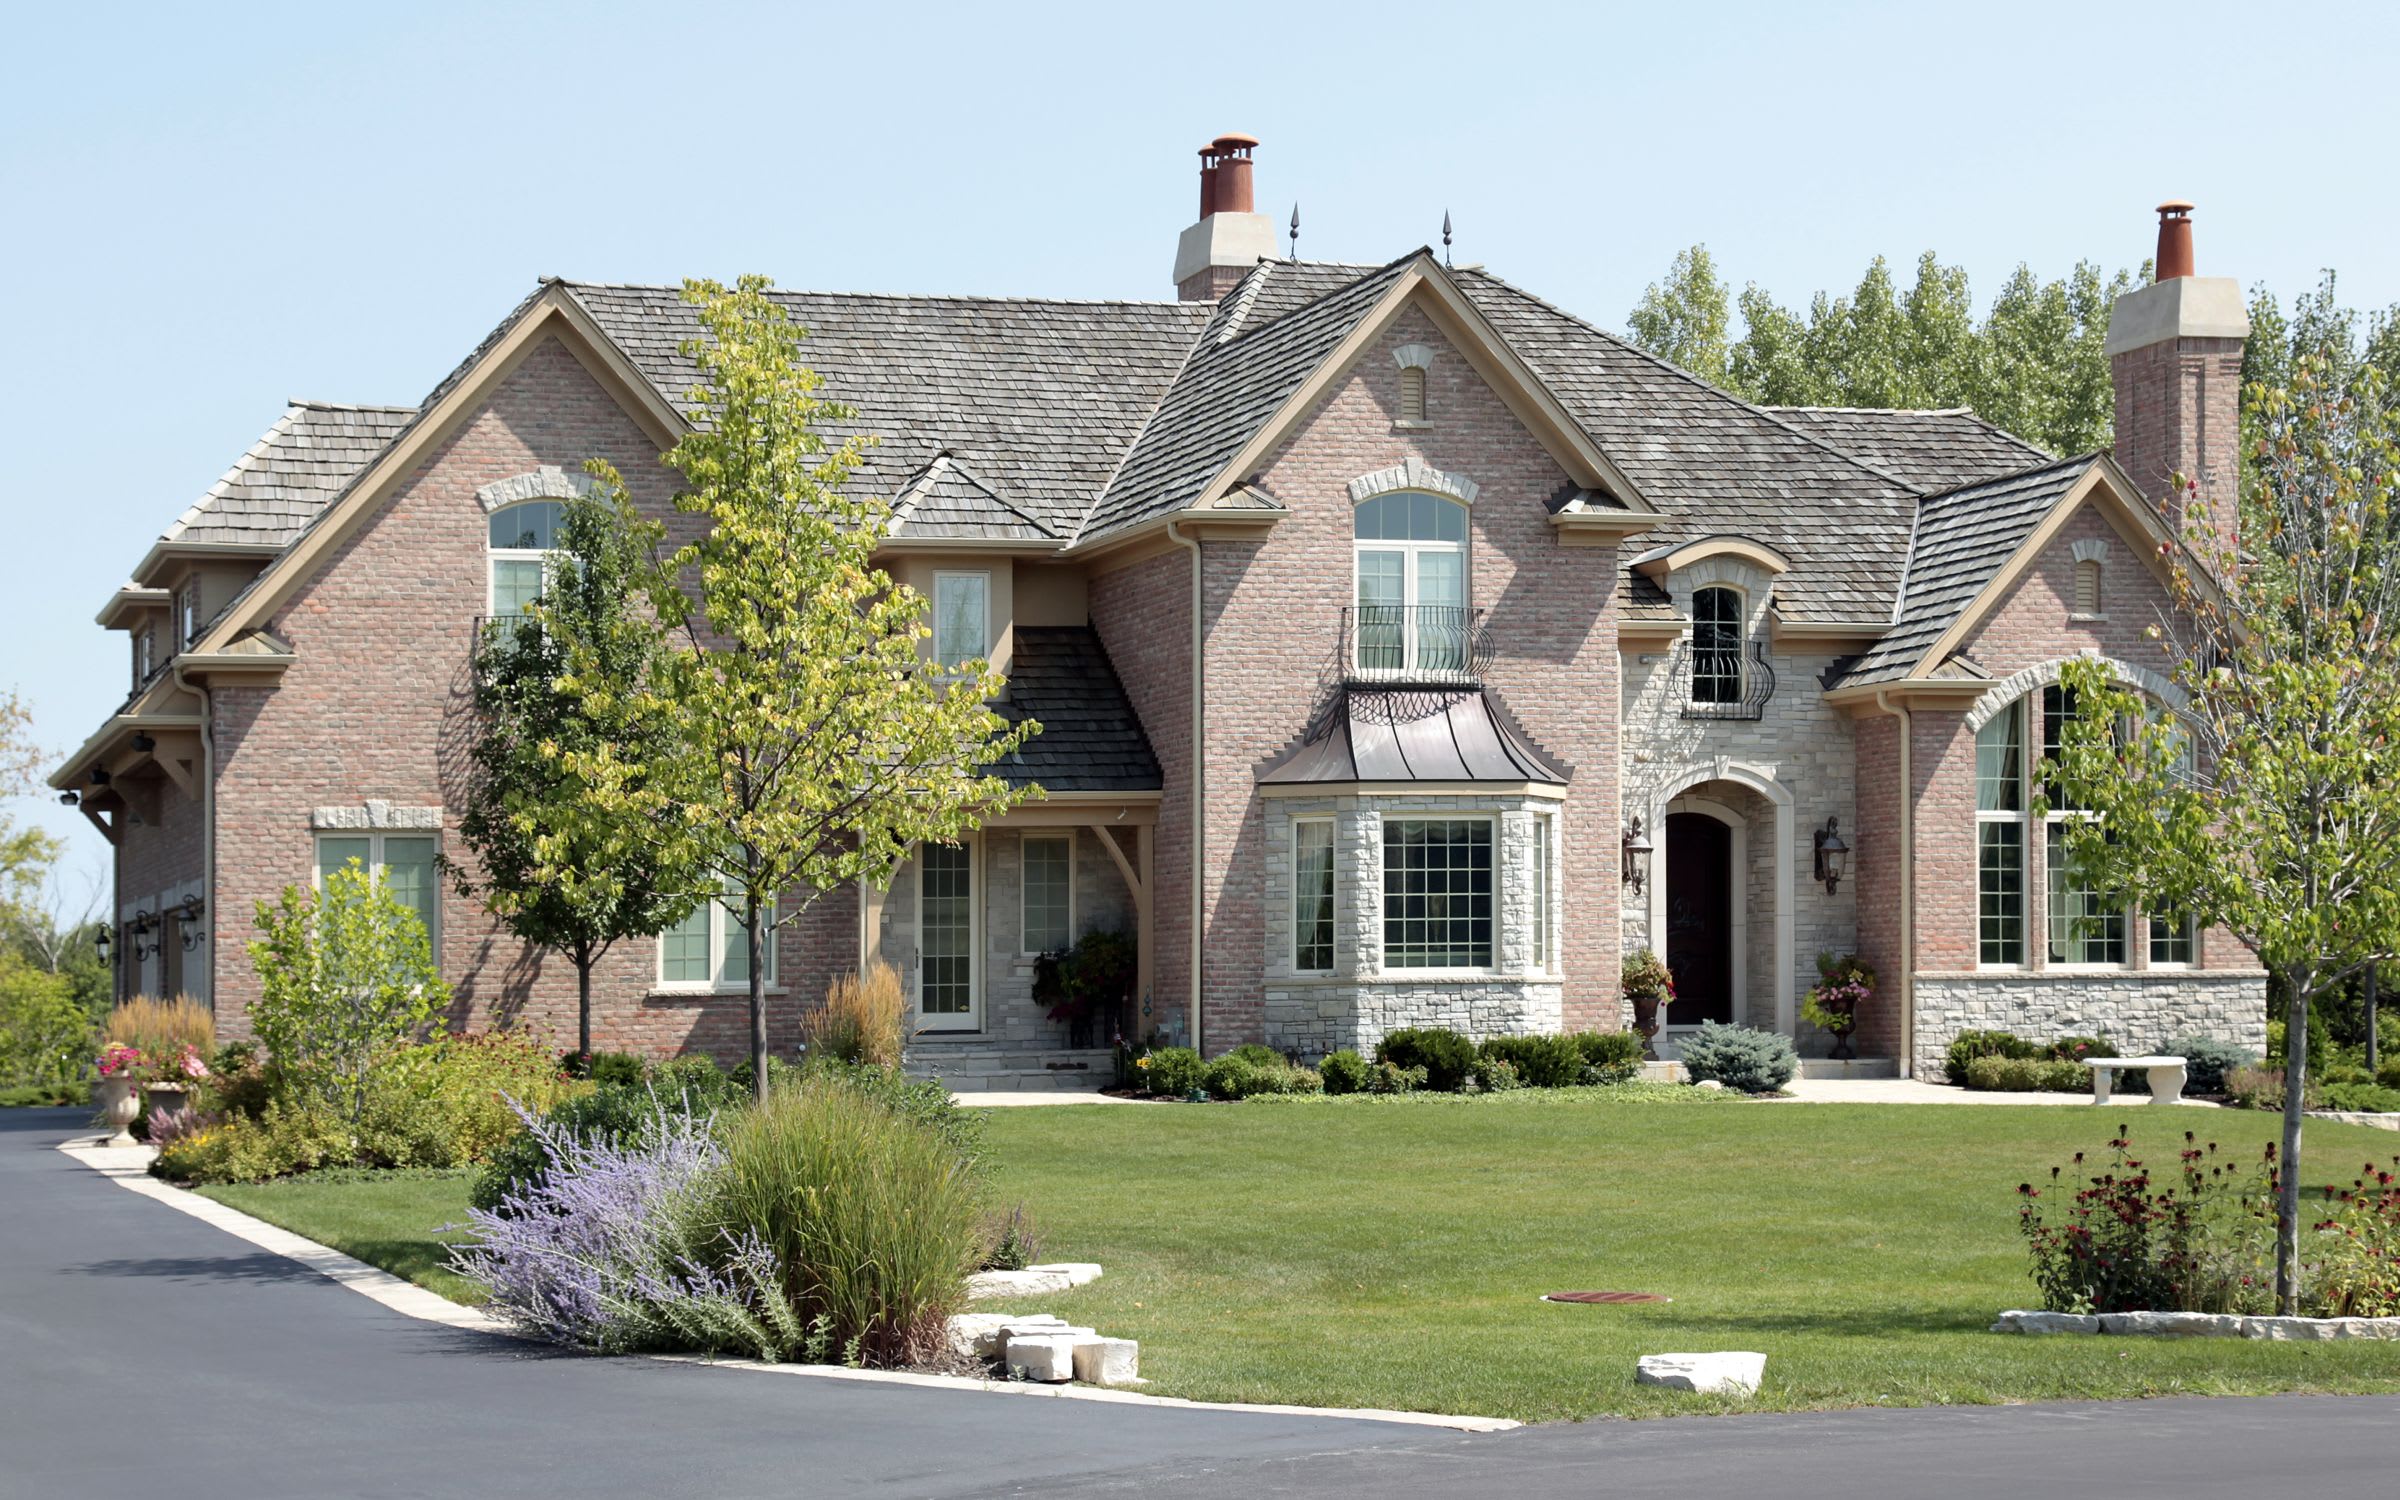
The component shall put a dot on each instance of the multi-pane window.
(946, 930)
(1049, 893)
(522, 539)
(1411, 556)
(1716, 646)
(402, 864)
(962, 617)
(1540, 881)
(2000, 837)
(2171, 941)
(2082, 930)
(1312, 896)
(711, 947)
(187, 613)
(1437, 893)
(145, 654)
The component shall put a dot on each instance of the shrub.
(452, 1102)
(1756, 1062)
(164, 1127)
(1447, 1058)
(2077, 1048)
(864, 1018)
(606, 1115)
(2207, 1061)
(46, 1037)
(1173, 1072)
(285, 1139)
(871, 1219)
(344, 971)
(2260, 1088)
(2027, 1075)
(1542, 1062)
(1344, 1072)
(1970, 1045)
(2372, 1098)
(622, 1068)
(2389, 1074)
(1496, 1075)
(1609, 1056)
(1255, 1052)
(618, 1248)
(1390, 1078)
(1235, 1076)
(1010, 1242)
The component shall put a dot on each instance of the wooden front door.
(1699, 918)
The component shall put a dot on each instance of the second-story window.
(1412, 584)
(522, 539)
(187, 613)
(1716, 646)
(145, 654)
(962, 617)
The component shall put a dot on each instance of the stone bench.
(2166, 1076)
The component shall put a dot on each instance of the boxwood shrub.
(1609, 1056)
(2028, 1075)
(1542, 1062)
(1970, 1045)
(1447, 1057)
(1345, 1072)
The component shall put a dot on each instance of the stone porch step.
(1857, 1067)
(989, 1067)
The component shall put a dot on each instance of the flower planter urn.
(166, 1098)
(119, 1106)
(1645, 1021)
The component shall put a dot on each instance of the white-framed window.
(946, 935)
(962, 617)
(1049, 892)
(2082, 932)
(187, 613)
(401, 863)
(2000, 838)
(145, 653)
(1437, 893)
(710, 949)
(1312, 895)
(1716, 645)
(1411, 558)
(1544, 832)
(523, 536)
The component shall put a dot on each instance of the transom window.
(402, 864)
(710, 949)
(1437, 893)
(1716, 646)
(522, 538)
(1412, 583)
(1049, 893)
(1312, 895)
(962, 617)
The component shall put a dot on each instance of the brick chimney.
(1229, 237)
(2175, 358)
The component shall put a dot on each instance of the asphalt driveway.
(146, 1352)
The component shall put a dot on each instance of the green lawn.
(1365, 1252)
(390, 1219)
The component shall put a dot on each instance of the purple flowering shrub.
(612, 1248)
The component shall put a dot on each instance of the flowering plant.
(1646, 977)
(192, 1065)
(120, 1061)
(1844, 985)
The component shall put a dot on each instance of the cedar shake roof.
(1930, 449)
(1964, 537)
(273, 491)
(947, 500)
(1091, 741)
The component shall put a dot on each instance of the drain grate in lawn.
(1610, 1297)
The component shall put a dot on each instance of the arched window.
(1716, 646)
(522, 538)
(1412, 584)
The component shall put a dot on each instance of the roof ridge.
(303, 401)
(1675, 369)
(1882, 411)
(795, 291)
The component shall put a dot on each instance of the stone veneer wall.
(2139, 1011)
(1358, 1002)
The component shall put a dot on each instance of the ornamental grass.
(162, 1028)
(864, 1018)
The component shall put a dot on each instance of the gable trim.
(549, 482)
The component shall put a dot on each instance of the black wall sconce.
(100, 940)
(1831, 852)
(187, 922)
(143, 924)
(1637, 857)
(143, 744)
(70, 799)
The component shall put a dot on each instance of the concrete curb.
(129, 1168)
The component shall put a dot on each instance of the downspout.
(208, 817)
(1199, 777)
(1908, 882)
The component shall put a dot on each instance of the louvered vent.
(2087, 587)
(1412, 395)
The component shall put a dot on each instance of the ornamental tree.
(814, 743)
(559, 871)
(2265, 799)
(344, 971)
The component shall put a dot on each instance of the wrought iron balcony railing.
(1724, 685)
(1436, 645)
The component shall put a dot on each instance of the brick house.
(1378, 618)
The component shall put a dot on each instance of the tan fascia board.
(1649, 631)
(1658, 564)
(127, 599)
(552, 314)
(163, 552)
(1601, 528)
(907, 542)
(1155, 537)
(1940, 694)
(2133, 509)
(68, 776)
(1084, 810)
(218, 666)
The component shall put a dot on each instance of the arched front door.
(1700, 918)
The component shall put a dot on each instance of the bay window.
(1437, 893)
(1312, 895)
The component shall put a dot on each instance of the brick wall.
(2178, 411)
(1143, 615)
(158, 862)
(1875, 869)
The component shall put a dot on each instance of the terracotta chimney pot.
(2174, 241)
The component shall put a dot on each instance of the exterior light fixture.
(143, 744)
(100, 940)
(99, 776)
(1637, 857)
(142, 926)
(190, 908)
(1831, 852)
(70, 799)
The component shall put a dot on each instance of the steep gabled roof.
(1091, 739)
(1964, 537)
(946, 499)
(1933, 450)
(1039, 397)
(311, 453)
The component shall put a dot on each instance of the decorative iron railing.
(492, 632)
(1442, 645)
(1732, 686)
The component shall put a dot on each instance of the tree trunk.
(583, 1003)
(2374, 1046)
(756, 937)
(2287, 1196)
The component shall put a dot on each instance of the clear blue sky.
(205, 210)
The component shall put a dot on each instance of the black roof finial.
(1295, 229)
(1445, 237)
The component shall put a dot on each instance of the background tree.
(813, 743)
(2270, 803)
(526, 812)
(343, 971)
(1686, 320)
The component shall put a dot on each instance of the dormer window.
(187, 613)
(145, 654)
(962, 618)
(522, 538)
(1716, 646)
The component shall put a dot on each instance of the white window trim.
(1025, 886)
(721, 923)
(185, 623)
(948, 668)
(1741, 645)
(1544, 954)
(1291, 903)
(1410, 570)
(971, 1021)
(375, 864)
(1500, 872)
(494, 556)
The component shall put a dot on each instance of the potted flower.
(171, 1087)
(1844, 984)
(1087, 984)
(117, 1095)
(1651, 988)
